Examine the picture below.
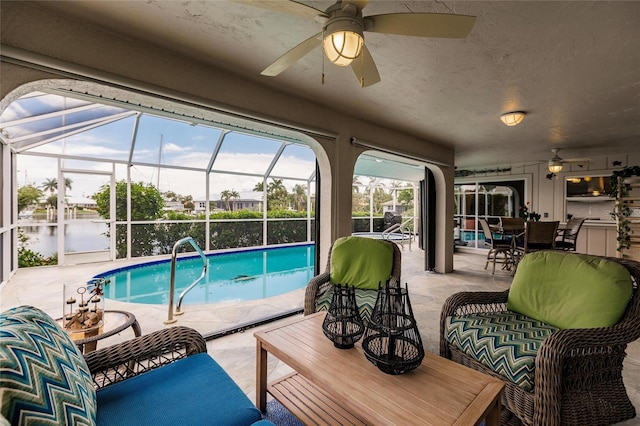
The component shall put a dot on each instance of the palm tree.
(67, 183)
(277, 195)
(300, 195)
(226, 196)
(259, 187)
(234, 197)
(395, 185)
(50, 185)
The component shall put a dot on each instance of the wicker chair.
(568, 236)
(578, 372)
(320, 284)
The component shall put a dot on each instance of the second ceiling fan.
(343, 27)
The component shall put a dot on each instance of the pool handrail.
(403, 232)
(172, 284)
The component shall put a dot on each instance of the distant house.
(399, 208)
(81, 202)
(248, 200)
(173, 206)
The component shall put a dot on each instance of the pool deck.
(42, 287)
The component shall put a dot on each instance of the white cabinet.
(597, 238)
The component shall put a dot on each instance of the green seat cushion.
(365, 301)
(44, 379)
(361, 262)
(570, 290)
(505, 342)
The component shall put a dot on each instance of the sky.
(170, 143)
(104, 134)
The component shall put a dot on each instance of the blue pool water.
(237, 276)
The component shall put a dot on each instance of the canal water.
(81, 235)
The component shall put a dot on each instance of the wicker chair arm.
(573, 360)
(127, 359)
(468, 302)
(315, 287)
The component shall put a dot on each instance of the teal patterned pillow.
(44, 378)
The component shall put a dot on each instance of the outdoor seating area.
(236, 353)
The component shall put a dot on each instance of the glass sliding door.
(483, 200)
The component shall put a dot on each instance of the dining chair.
(568, 236)
(500, 249)
(539, 236)
(512, 223)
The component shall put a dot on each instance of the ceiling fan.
(343, 27)
(556, 162)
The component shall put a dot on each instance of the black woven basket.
(391, 340)
(343, 324)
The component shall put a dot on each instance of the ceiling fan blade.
(421, 24)
(365, 68)
(360, 3)
(293, 56)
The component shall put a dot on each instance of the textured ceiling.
(573, 66)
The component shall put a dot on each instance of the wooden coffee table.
(341, 387)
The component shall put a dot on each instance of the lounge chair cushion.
(181, 393)
(361, 262)
(44, 378)
(506, 342)
(570, 290)
(365, 301)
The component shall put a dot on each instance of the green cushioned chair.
(357, 261)
(557, 337)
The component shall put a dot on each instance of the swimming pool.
(233, 276)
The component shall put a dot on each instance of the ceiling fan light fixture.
(343, 41)
(512, 118)
(555, 166)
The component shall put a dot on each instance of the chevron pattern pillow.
(506, 342)
(365, 300)
(44, 378)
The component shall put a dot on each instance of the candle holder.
(343, 324)
(392, 341)
(83, 311)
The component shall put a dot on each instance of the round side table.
(114, 323)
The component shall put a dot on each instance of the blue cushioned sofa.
(162, 378)
(557, 338)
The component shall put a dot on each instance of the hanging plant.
(622, 211)
(622, 173)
